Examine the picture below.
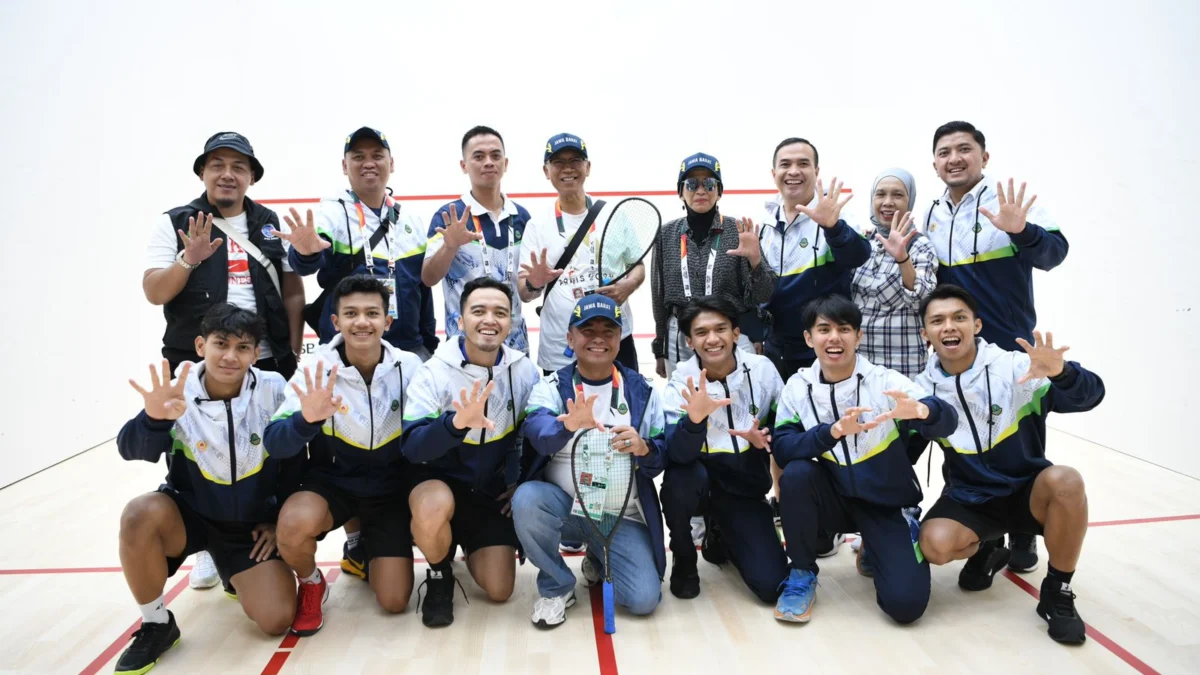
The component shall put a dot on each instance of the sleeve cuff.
(840, 233)
(1027, 237)
(303, 427)
(448, 422)
(693, 427)
(825, 436)
(156, 425)
(1067, 377)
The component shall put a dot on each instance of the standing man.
(363, 230)
(991, 257)
(567, 166)
(479, 234)
(221, 247)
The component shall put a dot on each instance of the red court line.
(1140, 521)
(290, 640)
(604, 645)
(119, 644)
(529, 195)
(1105, 641)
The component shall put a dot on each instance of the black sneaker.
(1057, 607)
(685, 580)
(150, 642)
(981, 568)
(713, 548)
(1024, 552)
(439, 599)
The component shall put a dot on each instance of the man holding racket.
(461, 431)
(562, 280)
(479, 234)
(596, 415)
(719, 407)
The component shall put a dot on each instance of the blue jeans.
(542, 516)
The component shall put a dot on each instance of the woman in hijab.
(901, 271)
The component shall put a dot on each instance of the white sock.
(314, 578)
(352, 538)
(155, 612)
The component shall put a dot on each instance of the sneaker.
(150, 642)
(860, 561)
(439, 600)
(834, 544)
(1024, 552)
(775, 511)
(354, 559)
(685, 580)
(799, 592)
(571, 546)
(856, 544)
(550, 612)
(204, 572)
(713, 546)
(981, 568)
(309, 598)
(1057, 607)
(230, 591)
(592, 571)
(698, 529)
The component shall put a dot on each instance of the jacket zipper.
(845, 447)
(729, 414)
(371, 408)
(232, 458)
(970, 418)
(483, 431)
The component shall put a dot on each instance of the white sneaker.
(550, 612)
(204, 572)
(698, 530)
(838, 540)
(856, 544)
(571, 546)
(591, 571)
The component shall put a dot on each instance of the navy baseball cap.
(366, 132)
(234, 141)
(562, 142)
(700, 160)
(595, 306)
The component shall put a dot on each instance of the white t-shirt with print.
(558, 471)
(579, 276)
(161, 253)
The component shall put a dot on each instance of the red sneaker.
(309, 598)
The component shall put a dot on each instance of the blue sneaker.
(799, 594)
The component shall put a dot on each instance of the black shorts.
(477, 522)
(994, 517)
(229, 544)
(386, 521)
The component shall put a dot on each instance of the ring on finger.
(628, 442)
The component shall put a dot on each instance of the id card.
(592, 484)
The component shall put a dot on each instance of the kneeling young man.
(719, 407)
(461, 431)
(999, 479)
(349, 413)
(841, 435)
(593, 392)
(223, 486)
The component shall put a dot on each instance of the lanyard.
(708, 272)
(617, 405)
(558, 215)
(485, 250)
(384, 222)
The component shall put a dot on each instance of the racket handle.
(610, 619)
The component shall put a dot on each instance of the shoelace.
(435, 589)
(150, 632)
(310, 599)
(1063, 603)
(796, 588)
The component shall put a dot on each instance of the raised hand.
(696, 401)
(538, 273)
(165, 400)
(579, 415)
(468, 409)
(196, 246)
(304, 237)
(759, 437)
(318, 402)
(620, 291)
(455, 232)
(906, 408)
(1044, 359)
(849, 425)
(829, 205)
(901, 235)
(1013, 209)
(748, 246)
(263, 535)
(627, 439)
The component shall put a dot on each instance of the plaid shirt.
(891, 327)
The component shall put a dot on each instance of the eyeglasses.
(574, 163)
(693, 184)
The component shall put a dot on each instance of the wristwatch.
(529, 287)
(183, 263)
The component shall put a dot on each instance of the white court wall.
(106, 106)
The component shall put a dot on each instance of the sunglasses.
(693, 184)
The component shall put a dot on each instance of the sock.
(1058, 577)
(441, 569)
(155, 611)
(314, 578)
(352, 538)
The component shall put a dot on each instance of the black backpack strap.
(572, 247)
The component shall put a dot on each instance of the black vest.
(209, 284)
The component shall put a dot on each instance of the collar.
(508, 209)
(973, 194)
(775, 208)
(462, 347)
